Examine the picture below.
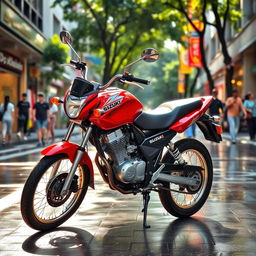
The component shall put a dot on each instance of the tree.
(225, 11)
(163, 75)
(54, 54)
(116, 30)
(182, 6)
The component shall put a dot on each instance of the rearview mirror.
(65, 37)
(150, 55)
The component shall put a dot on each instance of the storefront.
(21, 46)
(11, 69)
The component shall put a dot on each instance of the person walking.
(51, 124)
(7, 108)
(250, 106)
(41, 117)
(234, 105)
(23, 116)
(216, 106)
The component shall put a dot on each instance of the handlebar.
(131, 78)
(125, 77)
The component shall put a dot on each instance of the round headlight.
(74, 105)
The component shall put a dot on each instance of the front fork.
(77, 158)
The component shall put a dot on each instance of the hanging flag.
(183, 56)
(181, 83)
(194, 53)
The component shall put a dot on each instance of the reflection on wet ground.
(109, 223)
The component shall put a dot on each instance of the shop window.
(40, 23)
(33, 17)
(56, 25)
(26, 9)
(17, 3)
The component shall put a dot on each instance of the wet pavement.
(109, 223)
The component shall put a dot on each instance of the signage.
(194, 53)
(10, 62)
(183, 56)
(11, 19)
(181, 83)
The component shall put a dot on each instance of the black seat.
(147, 121)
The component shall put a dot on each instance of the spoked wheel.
(42, 205)
(184, 200)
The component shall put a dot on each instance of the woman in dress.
(7, 108)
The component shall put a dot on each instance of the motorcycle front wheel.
(42, 206)
(184, 200)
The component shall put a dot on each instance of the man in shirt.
(234, 105)
(23, 115)
(216, 107)
(41, 117)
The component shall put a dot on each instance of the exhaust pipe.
(178, 179)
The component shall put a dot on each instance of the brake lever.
(131, 83)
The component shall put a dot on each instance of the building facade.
(25, 26)
(241, 47)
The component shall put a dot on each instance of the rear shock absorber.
(175, 153)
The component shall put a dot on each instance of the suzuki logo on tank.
(10, 62)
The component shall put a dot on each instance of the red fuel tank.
(119, 107)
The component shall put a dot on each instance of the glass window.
(56, 25)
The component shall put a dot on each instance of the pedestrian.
(250, 106)
(216, 106)
(51, 124)
(41, 117)
(23, 116)
(234, 105)
(7, 109)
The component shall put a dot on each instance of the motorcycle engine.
(128, 168)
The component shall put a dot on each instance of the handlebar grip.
(73, 62)
(140, 80)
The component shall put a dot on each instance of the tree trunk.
(186, 85)
(227, 58)
(206, 69)
(193, 85)
(107, 67)
(228, 78)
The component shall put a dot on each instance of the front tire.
(42, 207)
(186, 204)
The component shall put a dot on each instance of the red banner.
(194, 53)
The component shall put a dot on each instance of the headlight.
(74, 105)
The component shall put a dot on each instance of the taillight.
(219, 129)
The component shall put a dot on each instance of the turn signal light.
(97, 112)
(55, 100)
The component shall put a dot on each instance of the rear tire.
(41, 208)
(185, 205)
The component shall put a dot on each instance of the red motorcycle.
(135, 152)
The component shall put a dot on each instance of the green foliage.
(54, 54)
(163, 75)
(116, 30)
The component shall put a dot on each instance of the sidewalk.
(241, 137)
(32, 138)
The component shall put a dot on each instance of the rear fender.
(182, 124)
(209, 129)
(70, 150)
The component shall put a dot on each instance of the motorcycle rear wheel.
(180, 204)
(42, 207)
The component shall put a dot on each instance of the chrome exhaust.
(178, 179)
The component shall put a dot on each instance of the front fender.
(70, 149)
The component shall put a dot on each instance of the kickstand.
(146, 198)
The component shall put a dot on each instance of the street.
(109, 223)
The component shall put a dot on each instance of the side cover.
(70, 150)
